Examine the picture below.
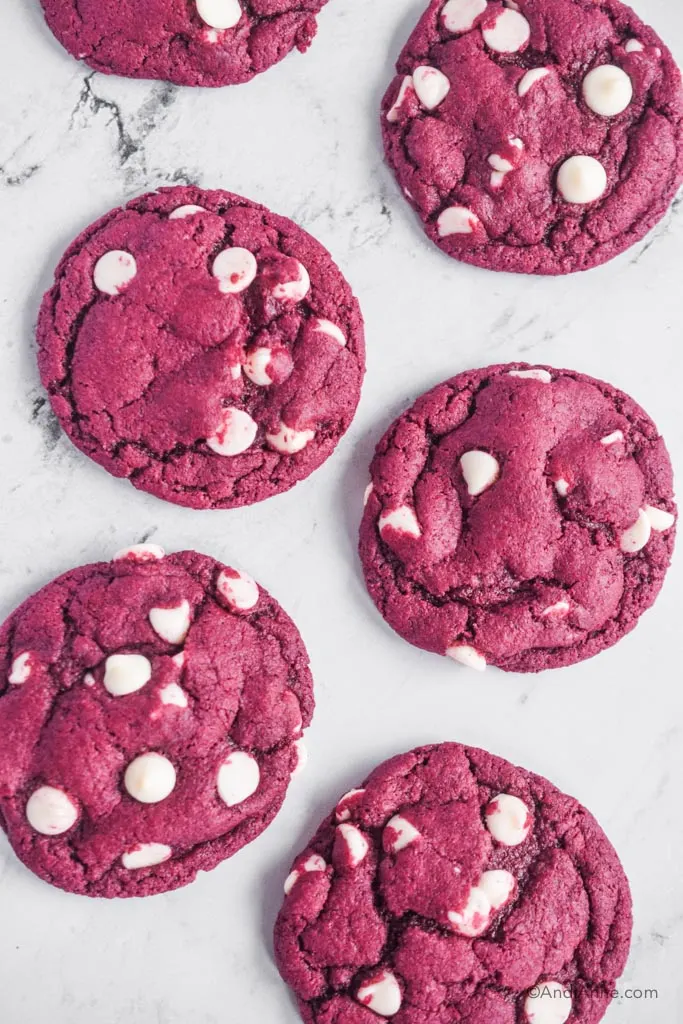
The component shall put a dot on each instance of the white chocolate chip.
(637, 536)
(460, 15)
(431, 86)
(633, 46)
(612, 438)
(236, 371)
(145, 855)
(235, 434)
(238, 778)
(405, 87)
(498, 887)
(562, 487)
(238, 589)
(331, 330)
(548, 1002)
(219, 13)
(171, 624)
(607, 90)
(479, 470)
(508, 819)
(342, 810)
(509, 33)
(560, 608)
(301, 757)
(173, 694)
(475, 916)
(89, 679)
(402, 520)
(288, 440)
(50, 811)
(180, 213)
(140, 553)
(581, 179)
(126, 673)
(356, 843)
(150, 778)
(382, 995)
(234, 270)
(530, 78)
(534, 374)
(256, 367)
(660, 519)
(313, 863)
(399, 833)
(179, 659)
(20, 669)
(366, 494)
(296, 290)
(114, 271)
(467, 656)
(456, 220)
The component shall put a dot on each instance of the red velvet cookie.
(151, 710)
(203, 347)
(189, 42)
(536, 136)
(518, 516)
(455, 888)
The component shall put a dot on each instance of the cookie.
(203, 347)
(188, 42)
(535, 136)
(151, 710)
(454, 887)
(518, 516)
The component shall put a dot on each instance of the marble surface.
(304, 140)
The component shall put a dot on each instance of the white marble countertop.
(304, 140)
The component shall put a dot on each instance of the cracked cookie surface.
(538, 136)
(518, 516)
(152, 709)
(187, 42)
(453, 886)
(206, 349)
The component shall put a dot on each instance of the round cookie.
(454, 887)
(188, 42)
(203, 347)
(152, 709)
(535, 136)
(518, 516)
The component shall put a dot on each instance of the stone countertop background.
(304, 140)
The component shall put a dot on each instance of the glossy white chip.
(366, 494)
(548, 1002)
(475, 916)
(460, 15)
(530, 78)
(660, 519)
(146, 855)
(581, 179)
(50, 811)
(508, 819)
(557, 610)
(20, 669)
(562, 487)
(150, 778)
(467, 656)
(174, 695)
(181, 212)
(633, 46)
(234, 269)
(456, 220)
(479, 470)
(256, 366)
(238, 589)
(311, 864)
(288, 440)
(607, 90)
(114, 271)
(399, 833)
(343, 810)
(171, 624)
(636, 537)
(431, 86)
(382, 995)
(535, 373)
(405, 87)
(235, 433)
(498, 887)
(296, 290)
(219, 13)
(301, 757)
(402, 520)
(238, 778)
(509, 33)
(356, 844)
(613, 438)
(140, 553)
(331, 330)
(126, 673)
